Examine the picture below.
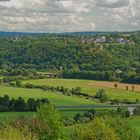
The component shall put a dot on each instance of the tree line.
(20, 105)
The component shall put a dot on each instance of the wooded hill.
(87, 57)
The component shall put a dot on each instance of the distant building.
(124, 41)
(121, 40)
(47, 75)
(100, 39)
(16, 39)
(118, 71)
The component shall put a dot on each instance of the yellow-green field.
(90, 87)
(54, 98)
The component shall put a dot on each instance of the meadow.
(9, 116)
(91, 87)
(54, 98)
(88, 86)
(135, 122)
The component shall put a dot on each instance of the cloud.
(69, 15)
(112, 3)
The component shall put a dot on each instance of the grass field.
(135, 122)
(70, 113)
(9, 116)
(88, 86)
(54, 98)
(91, 87)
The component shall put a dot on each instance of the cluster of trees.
(86, 117)
(48, 125)
(7, 104)
(77, 91)
(126, 77)
(106, 128)
(71, 58)
(101, 95)
(88, 74)
(137, 111)
(92, 114)
(8, 79)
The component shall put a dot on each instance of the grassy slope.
(87, 87)
(54, 98)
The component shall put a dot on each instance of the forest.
(84, 57)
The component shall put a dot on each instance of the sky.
(69, 15)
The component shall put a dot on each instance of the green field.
(70, 113)
(54, 98)
(135, 122)
(87, 87)
(8, 116)
(59, 99)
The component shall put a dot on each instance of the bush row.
(77, 91)
(7, 104)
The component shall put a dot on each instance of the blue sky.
(69, 15)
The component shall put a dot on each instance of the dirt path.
(111, 85)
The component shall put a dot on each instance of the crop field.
(91, 87)
(54, 98)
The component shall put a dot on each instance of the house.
(16, 39)
(121, 40)
(124, 41)
(47, 75)
(100, 39)
(118, 71)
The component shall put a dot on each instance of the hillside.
(110, 57)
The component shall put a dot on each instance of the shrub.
(105, 128)
(122, 127)
(95, 130)
(13, 133)
(101, 95)
(137, 111)
(50, 117)
(18, 83)
(123, 112)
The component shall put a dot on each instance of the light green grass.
(54, 98)
(10, 116)
(87, 88)
(68, 113)
(135, 122)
